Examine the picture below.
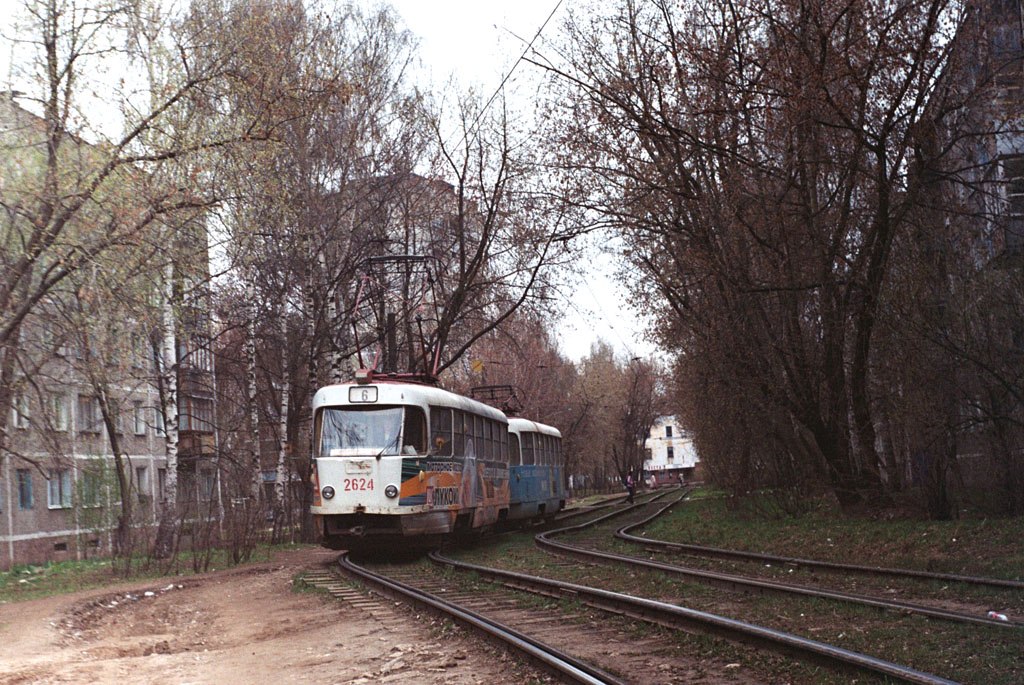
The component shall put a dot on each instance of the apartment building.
(85, 384)
(672, 457)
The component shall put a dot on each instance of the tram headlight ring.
(327, 492)
(391, 491)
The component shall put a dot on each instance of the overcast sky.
(477, 42)
(474, 41)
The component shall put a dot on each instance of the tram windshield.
(349, 431)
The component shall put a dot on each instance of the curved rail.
(722, 553)
(553, 660)
(676, 616)
(731, 581)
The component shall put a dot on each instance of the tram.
(537, 485)
(400, 464)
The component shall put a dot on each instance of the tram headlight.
(391, 491)
(327, 492)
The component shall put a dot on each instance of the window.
(19, 408)
(527, 444)
(671, 454)
(140, 350)
(516, 457)
(142, 480)
(458, 432)
(161, 479)
(441, 431)
(195, 354)
(58, 489)
(89, 418)
(25, 500)
(360, 430)
(138, 418)
(92, 486)
(58, 411)
(118, 420)
(159, 423)
(668, 431)
(414, 431)
(207, 484)
(479, 441)
(195, 414)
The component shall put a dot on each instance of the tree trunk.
(256, 484)
(282, 441)
(167, 531)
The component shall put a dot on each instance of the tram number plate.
(355, 484)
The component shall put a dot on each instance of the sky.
(478, 42)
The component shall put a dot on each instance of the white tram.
(400, 464)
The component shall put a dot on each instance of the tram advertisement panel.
(453, 482)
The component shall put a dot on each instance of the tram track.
(542, 655)
(741, 583)
(491, 611)
(681, 618)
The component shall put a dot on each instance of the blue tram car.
(536, 478)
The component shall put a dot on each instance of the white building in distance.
(671, 455)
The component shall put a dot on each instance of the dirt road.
(245, 625)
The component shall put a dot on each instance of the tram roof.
(521, 425)
(390, 393)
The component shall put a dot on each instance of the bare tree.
(764, 163)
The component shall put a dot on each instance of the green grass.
(976, 654)
(988, 547)
(44, 580)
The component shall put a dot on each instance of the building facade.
(85, 383)
(671, 455)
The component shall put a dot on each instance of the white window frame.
(142, 480)
(58, 489)
(92, 421)
(59, 411)
(93, 495)
(24, 477)
(20, 410)
(207, 484)
(138, 418)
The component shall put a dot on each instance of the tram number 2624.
(355, 484)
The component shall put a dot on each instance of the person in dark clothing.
(631, 487)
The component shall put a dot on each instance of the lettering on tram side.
(443, 497)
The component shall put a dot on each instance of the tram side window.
(527, 440)
(441, 431)
(458, 432)
(478, 433)
(414, 433)
(503, 433)
(515, 457)
(492, 438)
(558, 451)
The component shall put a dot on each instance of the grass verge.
(35, 581)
